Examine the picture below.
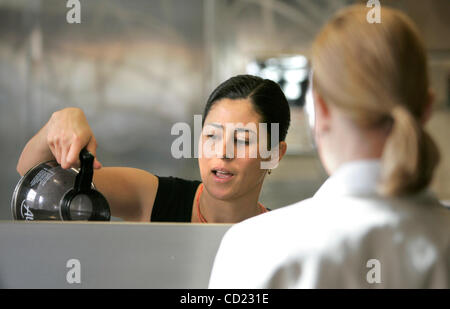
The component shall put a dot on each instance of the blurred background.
(136, 67)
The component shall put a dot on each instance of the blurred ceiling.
(431, 15)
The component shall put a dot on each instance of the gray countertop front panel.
(110, 255)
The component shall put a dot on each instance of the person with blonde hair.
(373, 223)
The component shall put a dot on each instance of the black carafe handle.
(83, 186)
(83, 180)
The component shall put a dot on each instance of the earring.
(270, 172)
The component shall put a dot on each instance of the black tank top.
(174, 198)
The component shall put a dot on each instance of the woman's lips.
(222, 175)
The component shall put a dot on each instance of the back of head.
(377, 74)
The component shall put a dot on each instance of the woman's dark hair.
(266, 96)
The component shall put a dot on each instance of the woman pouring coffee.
(231, 183)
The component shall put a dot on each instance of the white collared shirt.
(346, 236)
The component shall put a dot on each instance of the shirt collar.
(353, 178)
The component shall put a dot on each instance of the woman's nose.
(227, 150)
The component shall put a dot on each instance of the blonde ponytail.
(377, 74)
(409, 156)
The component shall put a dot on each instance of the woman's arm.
(130, 192)
(35, 152)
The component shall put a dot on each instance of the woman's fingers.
(63, 162)
(92, 148)
(56, 150)
(75, 148)
(68, 133)
(74, 152)
(97, 164)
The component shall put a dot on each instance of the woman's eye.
(213, 136)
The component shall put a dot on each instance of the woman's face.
(230, 162)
